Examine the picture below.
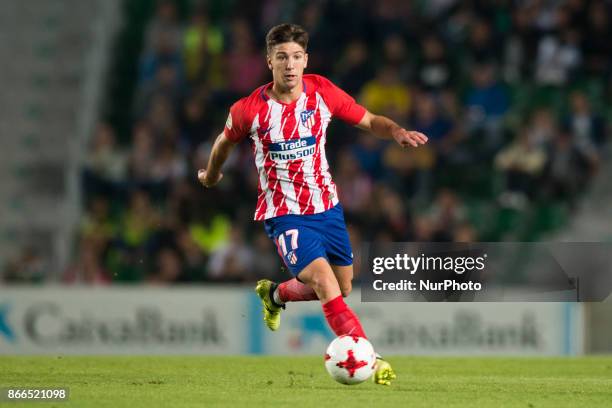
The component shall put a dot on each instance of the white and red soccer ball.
(350, 359)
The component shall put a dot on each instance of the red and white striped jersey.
(288, 142)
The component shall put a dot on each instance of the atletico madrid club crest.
(307, 118)
(292, 257)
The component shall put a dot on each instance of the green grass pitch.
(202, 381)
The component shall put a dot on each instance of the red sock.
(295, 291)
(342, 319)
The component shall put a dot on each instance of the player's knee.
(346, 288)
(320, 282)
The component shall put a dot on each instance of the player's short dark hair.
(284, 33)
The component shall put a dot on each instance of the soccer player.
(286, 121)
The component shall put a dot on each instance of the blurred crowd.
(513, 96)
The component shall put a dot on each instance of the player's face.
(287, 62)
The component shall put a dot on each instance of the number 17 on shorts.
(288, 243)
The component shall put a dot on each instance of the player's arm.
(385, 128)
(218, 155)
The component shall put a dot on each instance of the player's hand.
(206, 180)
(407, 138)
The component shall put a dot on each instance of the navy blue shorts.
(300, 239)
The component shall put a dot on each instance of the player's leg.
(338, 249)
(344, 276)
(274, 296)
(341, 318)
(298, 245)
(340, 254)
(293, 290)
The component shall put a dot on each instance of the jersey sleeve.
(341, 104)
(237, 126)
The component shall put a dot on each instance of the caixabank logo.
(7, 334)
(49, 324)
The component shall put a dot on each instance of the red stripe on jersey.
(262, 204)
(320, 179)
(306, 195)
(296, 178)
(290, 131)
(278, 197)
(264, 137)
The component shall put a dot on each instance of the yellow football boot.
(384, 373)
(271, 311)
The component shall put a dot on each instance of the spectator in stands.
(435, 72)
(164, 24)
(566, 171)
(423, 229)
(354, 186)
(389, 17)
(195, 125)
(542, 127)
(387, 94)
(165, 84)
(481, 44)
(232, 262)
(97, 225)
(395, 220)
(168, 268)
(266, 262)
(395, 54)
(162, 121)
(139, 221)
(105, 163)
(596, 40)
(202, 48)
(169, 165)
(321, 43)
(142, 156)
(447, 212)
(465, 232)
(369, 151)
(521, 163)
(164, 53)
(428, 119)
(192, 255)
(486, 103)
(245, 63)
(29, 266)
(409, 171)
(559, 53)
(88, 269)
(519, 46)
(354, 67)
(588, 128)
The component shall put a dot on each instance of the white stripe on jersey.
(316, 197)
(327, 179)
(282, 169)
(259, 163)
(303, 131)
(275, 124)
